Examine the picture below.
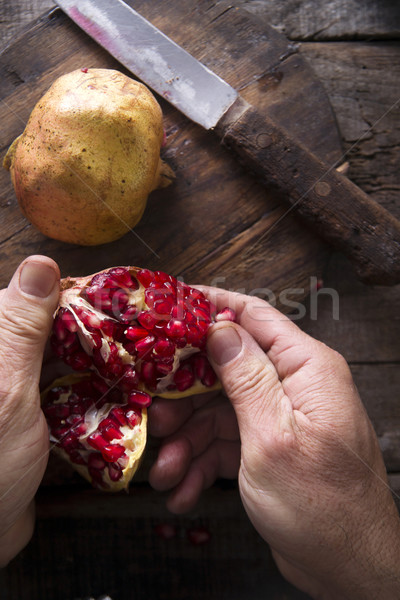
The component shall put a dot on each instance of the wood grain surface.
(354, 50)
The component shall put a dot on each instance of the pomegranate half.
(132, 333)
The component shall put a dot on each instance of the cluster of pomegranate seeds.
(95, 425)
(138, 333)
(134, 327)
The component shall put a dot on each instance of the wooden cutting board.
(216, 224)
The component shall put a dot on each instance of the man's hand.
(26, 314)
(311, 476)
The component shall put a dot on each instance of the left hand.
(26, 315)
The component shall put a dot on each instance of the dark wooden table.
(88, 544)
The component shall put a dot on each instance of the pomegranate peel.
(89, 157)
(140, 333)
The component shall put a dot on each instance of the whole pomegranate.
(89, 157)
(133, 333)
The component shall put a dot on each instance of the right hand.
(311, 478)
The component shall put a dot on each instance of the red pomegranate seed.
(76, 417)
(148, 372)
(178, 312)
(96, 476)
(164, 348)
(128, 315)
(175, 328)
(145, 277)
(100, 385)
(164, 368)
(96, 461)
(118, 415)
(59, 330)
(184, 378)
(130, 378)
(201, 314)
(68, 320)
(114, 471)
(113, 452)
(137, 398)
(165, 531)
(97, 441)
(60, 411)
(226, 314)
(134, 418)
(136, 333)
(79, 361)
(118, 276)
(111, 432)
(209, 378)
(70, 442)
(163, 307)
(76, 457)
(145, 345)
(198, 535)
(79, 429)
(147, 320)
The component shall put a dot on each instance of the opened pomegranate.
(141, 333)
(100, 430)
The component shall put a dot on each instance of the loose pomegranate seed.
(165, 531)
(198, 535)
(226, 314)
(139, 399)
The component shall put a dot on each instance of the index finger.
(286, 344)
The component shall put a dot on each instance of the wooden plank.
(298, 20)
(330, 20)
(363, 84)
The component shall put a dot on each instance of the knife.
(331, 204)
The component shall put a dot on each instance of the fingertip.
(172, 463)
(186, 496)
(38, 276)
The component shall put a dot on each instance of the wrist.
(17, 536)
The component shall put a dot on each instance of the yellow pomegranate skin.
(89, 157)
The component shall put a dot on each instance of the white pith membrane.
(142, 334)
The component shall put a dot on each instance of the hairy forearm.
(17, 536)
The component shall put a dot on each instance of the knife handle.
(331, 204)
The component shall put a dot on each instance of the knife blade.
(331, 204)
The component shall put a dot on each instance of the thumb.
(26, 313)
(249, 379)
